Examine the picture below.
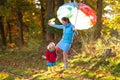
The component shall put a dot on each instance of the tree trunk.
(59, 3)
(2, 2)
(9, 32)
(20, 24)
(50, 14)
(72, 0)
(97, 29)
(2, 31)
(43, 20)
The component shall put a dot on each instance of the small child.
(51, 56)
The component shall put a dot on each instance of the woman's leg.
(65, 59)
(57, 48)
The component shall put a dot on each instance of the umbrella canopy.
(82, 16)
(66, 10)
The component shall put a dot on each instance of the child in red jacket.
(51, 57)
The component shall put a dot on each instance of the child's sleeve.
(47, 55)
(56, 55)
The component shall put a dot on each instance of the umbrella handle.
(77, 12)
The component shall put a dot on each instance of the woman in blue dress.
(67, 38)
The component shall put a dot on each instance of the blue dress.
(67, 37)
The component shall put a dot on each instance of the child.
(51, 57)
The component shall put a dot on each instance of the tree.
(14, 10)
(2, 31)
(19, 7)
(9, 32)
(2, 2)
(42, 17)
(59, 3)
(8, 8)
(20, 23)
(50, 14)
(97, 29)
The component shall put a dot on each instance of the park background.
(24, 35)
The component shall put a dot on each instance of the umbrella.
(82, 16)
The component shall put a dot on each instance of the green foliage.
(100, 45)
(109, 78)
(3, 75)
(115, 69)
(114, 23)
(88, 63)
(81, 66)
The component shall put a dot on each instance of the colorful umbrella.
(82, 16)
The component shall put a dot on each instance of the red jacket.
(51, 56)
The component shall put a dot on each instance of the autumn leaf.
(11, 45)
(3, 75)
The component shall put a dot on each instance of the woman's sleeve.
(57, 26)
(75, 31)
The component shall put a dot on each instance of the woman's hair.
(66, 19)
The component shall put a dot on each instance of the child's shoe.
(49, 70)
(52, 69)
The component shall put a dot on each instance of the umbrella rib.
(77, 14)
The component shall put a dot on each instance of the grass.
(20, 63)
(27, 63)
(23, 66)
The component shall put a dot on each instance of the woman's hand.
(75, 32)
(49, 23)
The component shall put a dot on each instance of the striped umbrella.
(80, 15)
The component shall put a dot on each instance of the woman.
(65, 43)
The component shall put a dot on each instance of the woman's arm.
(75, 31)
(57, 26)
